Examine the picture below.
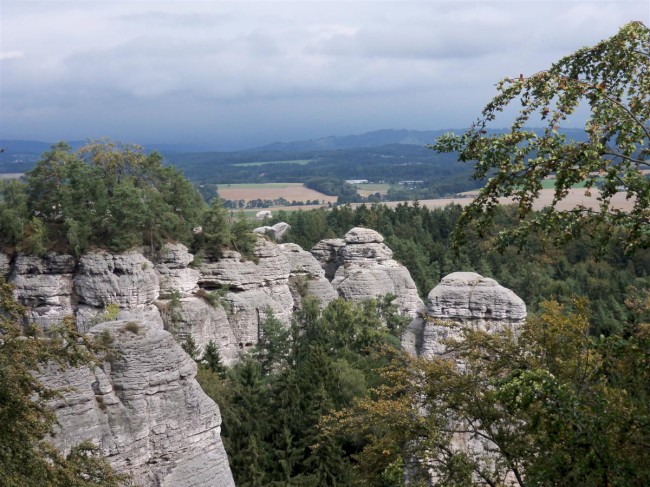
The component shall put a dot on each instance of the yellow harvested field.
(272, 191)
(575, 197)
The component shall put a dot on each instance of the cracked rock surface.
(144, 410)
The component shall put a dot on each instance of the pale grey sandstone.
(307, 276)
(89, 316)
(206, 323)
(277, 231)
(44, 286)
(128, 280)
(144, 410)
(251, 290)
(462, 299)
(360, 235)
(173, 270)
(327, 253)
(232, 271)
(363, 268)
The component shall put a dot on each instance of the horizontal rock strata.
(361, 267)
(462, 299)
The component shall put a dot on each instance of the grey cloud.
(238, 71)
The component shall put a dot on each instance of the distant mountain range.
(380, 138)
(20, 155)
(369, 139)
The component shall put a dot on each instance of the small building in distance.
(356, 181)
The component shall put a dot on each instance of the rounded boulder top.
(467, 295)
(363, 235)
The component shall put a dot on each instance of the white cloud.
(5, 56)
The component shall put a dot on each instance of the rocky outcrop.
(307, 277)
(223, 300)
(326, 253)
(462, 299)
(144, 410)
(44, 285)
(126, 280)
(361, 267)
(276, 231)
(249, 290)
(174, 272)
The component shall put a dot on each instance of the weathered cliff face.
(238, 294)
(126, 280)
(361, 267)
(223, 300)
(306, 277)
(144, 409)
(44, 285)
(462, 299)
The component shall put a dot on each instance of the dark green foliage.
(273, 401)
(611, 80)
(14, 214)
(106, 195)
(113, 196)
(242, 238)
(274, 345)
(212, 359)
(216, 230)
(190, 347)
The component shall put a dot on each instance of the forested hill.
(376, 138)
(346, 154)
(389, 162)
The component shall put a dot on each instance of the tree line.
(113, 196)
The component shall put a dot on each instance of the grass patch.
(300, 162)
(133, 327)
(381, 188)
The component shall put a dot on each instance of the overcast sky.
(241, 74)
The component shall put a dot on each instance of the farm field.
(575, 197)
(271, 191)
(300, 162)
(366, 190)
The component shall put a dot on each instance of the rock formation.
(462, 299)
(126, 280)
(223, 300)
(276, 231)
(44, 285)
(236, 295)
(306, 277)
(144, 410)
(361, 267)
